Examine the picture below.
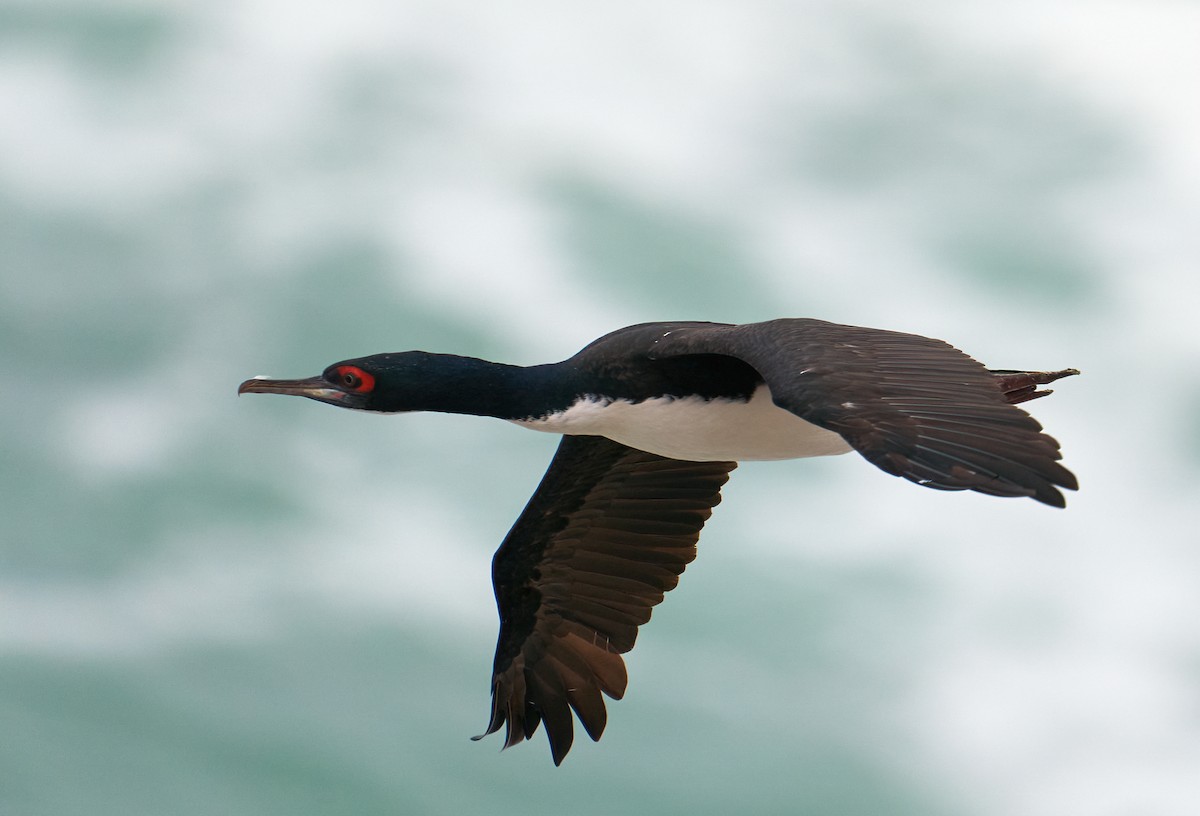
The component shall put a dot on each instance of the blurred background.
(266, 606)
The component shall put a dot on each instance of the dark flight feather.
(901, 400)
(607, 532)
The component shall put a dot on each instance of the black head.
(376, 383)
(400, 381)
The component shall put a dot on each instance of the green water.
(212, 605)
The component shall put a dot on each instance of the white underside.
(696, 430)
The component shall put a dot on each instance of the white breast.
(695, 429)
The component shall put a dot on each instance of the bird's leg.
(1020, 386)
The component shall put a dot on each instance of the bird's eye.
(353, 378)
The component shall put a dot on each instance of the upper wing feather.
(607, 532)
(914, 406)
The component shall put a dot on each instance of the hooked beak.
(316, 388)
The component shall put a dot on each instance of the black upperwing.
(913, 406)
(607, 532)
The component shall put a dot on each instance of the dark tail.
(1021, 386)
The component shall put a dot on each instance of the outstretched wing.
(913, 406)
(607, 532)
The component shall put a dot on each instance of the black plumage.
(607, 532)
(613, 525)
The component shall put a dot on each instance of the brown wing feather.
(913, 406)
(607, 532)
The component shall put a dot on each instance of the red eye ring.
(355, 379)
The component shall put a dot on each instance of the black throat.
(448, 383)
(616, 368)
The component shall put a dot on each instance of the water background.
(212, 605)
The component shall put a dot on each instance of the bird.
(653, 418)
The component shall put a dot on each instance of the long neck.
(466, 385)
